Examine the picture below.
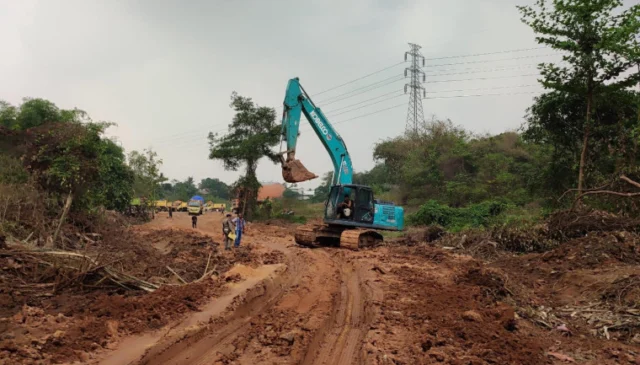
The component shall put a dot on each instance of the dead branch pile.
(568, 224)
(56, 269)
(619, 323)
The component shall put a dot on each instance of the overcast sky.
(164, 70)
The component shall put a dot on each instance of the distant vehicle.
(196, 205)
(214, 207)
(162, 205)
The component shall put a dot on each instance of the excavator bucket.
(294, 171)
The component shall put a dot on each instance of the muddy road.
(315, 309)
(272, 302)
(393, 305)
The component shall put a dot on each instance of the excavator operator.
(345, 209)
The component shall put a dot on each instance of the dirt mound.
(429, 316)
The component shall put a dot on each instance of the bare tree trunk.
(585, 144)
(65, 210)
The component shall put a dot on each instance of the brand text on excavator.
(318, 122)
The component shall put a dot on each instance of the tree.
(599, 46)
(146, 169)
(184, 190)
(114, 187)
(555, 122)
(61, 157)
(252, 134)
(215, 187)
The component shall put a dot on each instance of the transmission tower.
(415, 114)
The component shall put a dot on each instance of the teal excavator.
(353, 225)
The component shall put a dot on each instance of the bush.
(477, 215)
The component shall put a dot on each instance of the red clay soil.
(444, 308)
(446, 311)
(41, 328)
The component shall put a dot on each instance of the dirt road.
(272, 302)
(390, 305)
(314, 312)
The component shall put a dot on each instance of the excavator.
(354, 225)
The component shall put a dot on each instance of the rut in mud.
(315, 313)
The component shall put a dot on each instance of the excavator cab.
(362, 210)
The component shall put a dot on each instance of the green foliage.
(146, 169)
(455, 219)
(252, 134)
(445, 163)
(598, 39)
(215, 188)
(64, 152)
(600, 46)
(555, 123)
(62, 156)
(114, 188)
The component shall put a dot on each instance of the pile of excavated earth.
(564, 292)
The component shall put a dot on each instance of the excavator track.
(306, 235)
(316, 235)
(355, 239)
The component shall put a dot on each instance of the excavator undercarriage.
(318, 235)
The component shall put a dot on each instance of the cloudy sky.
(163, 70)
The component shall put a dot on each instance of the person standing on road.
(194, 221)
(227, 228)
(171, 212)
(239, 222)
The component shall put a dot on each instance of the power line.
(428, 59)
(377, 85)
(415, 113)
(485, 70)
(401, 78)
(366, 105)
(480, 78)
(487, 61)
(364, 101)
(382, 82)
(359, 78)
(477, 95)
(486, 54)
(482, 88)
(479, 69)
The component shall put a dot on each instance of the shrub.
(476, 215)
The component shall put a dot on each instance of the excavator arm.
(296, 103)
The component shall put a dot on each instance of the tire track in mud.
(321, 301)
(341, 340)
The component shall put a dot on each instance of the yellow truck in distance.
(196, 205)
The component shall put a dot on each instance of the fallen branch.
(204, 273)
(176, 274)
(81, 265)
(207, 274)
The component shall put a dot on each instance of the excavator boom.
(296, 104)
